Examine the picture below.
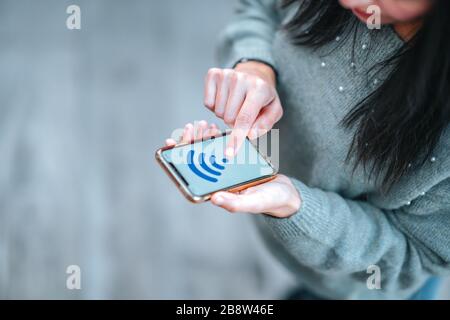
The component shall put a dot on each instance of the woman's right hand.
(246, 99)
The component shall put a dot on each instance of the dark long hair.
(400, 123)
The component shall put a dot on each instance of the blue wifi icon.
(210, 174)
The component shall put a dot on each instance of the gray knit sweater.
(345, 223)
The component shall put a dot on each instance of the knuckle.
(219, 113)
(260, 84)
(203, 124)
(213, 74)
(226, 75)
(240, 75)
(208, 103)
(227, 72)
(234, 77)
(245, 118)
(214, 71)
(229, 120)
(262, 90)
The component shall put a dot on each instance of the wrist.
(294, 202)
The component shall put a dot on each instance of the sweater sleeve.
(251, 33)
(335, 235)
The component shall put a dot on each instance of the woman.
(365, 141)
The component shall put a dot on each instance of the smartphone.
(200, 168)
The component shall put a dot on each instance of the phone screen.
(205, 169)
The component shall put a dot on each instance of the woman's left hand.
(277, 198)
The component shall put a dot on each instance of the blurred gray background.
(81, 114)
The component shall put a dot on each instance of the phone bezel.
(182, 185)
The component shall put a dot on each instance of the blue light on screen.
(206, 169)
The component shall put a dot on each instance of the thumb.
(248, 202)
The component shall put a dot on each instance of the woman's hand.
(246, 99)
(277, 198)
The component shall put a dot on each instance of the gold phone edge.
(199, 199)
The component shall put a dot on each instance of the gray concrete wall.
(81, 113)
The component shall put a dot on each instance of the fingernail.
(229, 152)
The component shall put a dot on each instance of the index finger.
(244, 122)
(245, 119)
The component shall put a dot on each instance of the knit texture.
(345, 223)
